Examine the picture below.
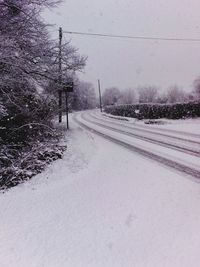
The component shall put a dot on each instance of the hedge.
(156, 111)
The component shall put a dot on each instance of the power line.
(134, 37)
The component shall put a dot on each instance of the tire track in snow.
(157, 129)
(183, 169)
(154, 131)
(152, 140)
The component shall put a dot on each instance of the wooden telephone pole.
(65, 87)
(100, 102)
(60, 75)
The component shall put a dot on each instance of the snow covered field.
(101, 206)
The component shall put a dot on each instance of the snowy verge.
(190, 125)
(117, 117)
(80, 151)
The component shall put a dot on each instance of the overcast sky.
(131, 63)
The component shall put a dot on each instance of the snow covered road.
(103, 205)
(178, 150)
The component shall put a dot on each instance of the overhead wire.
(134, 37)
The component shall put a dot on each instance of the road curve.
(178, 153)
(157, 129)
(177, 143)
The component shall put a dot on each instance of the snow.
(123, 118)
(190, 125)
(102, 205)
(168, 153)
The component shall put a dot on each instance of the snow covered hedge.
(156, 111)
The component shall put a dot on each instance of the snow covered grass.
(117, 117)
(190, 125)
(101, 205)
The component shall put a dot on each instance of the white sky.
(130, 63)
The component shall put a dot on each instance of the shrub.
(156, 111)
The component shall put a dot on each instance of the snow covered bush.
(17, 165)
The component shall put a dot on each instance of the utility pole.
(67, 88)
(60, 75)
(67, 109)
(100, 95)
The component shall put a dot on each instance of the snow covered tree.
(175, 94)
(111, 96)
(28, 61)
(83, 97)
(128, 96)
(147, 94)
(197, 88)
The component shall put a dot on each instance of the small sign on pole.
(67, 88)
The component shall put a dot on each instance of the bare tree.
(162, 98)
(111, 96)
(197, 87)
(147, 94)
(128, 96)
(83, 97)
(175, 94)
(25, 47)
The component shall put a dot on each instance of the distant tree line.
(83, 97)
(150, 94)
